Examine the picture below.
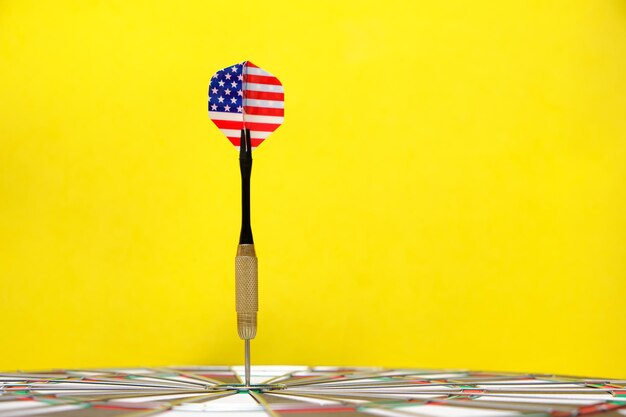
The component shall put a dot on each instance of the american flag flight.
(246, 96)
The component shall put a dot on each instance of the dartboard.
(293, 391)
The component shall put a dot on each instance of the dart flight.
(247, 104)
(246, 96)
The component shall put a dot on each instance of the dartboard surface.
(197, 391)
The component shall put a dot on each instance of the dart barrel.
(246, 291)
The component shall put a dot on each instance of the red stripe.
(264, 111)
(262, 127)
(237, 141)
(265, 95)
(261, 79)
(250, 64)
(259, 127)
(228, 124)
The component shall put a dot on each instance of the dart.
(247, 104)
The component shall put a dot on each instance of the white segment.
(257, 71)
(264, 87)
(549, 398)
(14, 405)
(440, 376)
(232, 133)
(257, 376)
(383, 413)
(156, 398)
(184, 413)
(274, 120)
(318, 401)
(234, 402)
(448, 411)
(274, 104)
(131, 371)
(50, 409)
(535, 400)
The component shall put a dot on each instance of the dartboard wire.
(327, 376)
(212, 396)
(258, 398)
(348, 404)
(135, 409)
(97, 395)
(202, 381)
(454, 401)
(450, 384)
(391, 399)
(168, 380)
(142, 381)
(509, 398)
(330, 377)
(194, 375)
(119, 396)
(312, 406)
(413, 413)
(50, 386)
(524, 395)
(521, 406)
(287, 375)
(403, 379)
(57, 404)
(361, 375)
(94, 380)
(393, 404)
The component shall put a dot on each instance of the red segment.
(250, 64)
(261, 79)
(265, 95)
(264, 111)
(473, 391)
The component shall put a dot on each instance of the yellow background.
(448, 189)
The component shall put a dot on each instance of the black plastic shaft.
(245, 165)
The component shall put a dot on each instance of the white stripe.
(257, 71)
(232, 133)
(264, 87)
(218, 115)
(222, 115)
(275, 104)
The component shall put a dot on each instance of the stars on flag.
(222, 97)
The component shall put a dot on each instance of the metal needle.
(247, 359)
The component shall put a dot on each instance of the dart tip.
(247, 362)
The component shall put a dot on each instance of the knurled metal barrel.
(246, 291)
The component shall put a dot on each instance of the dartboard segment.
(293, 391)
